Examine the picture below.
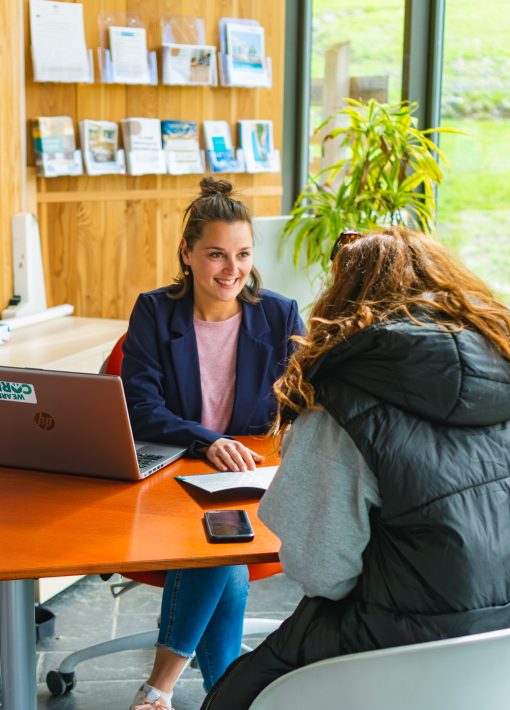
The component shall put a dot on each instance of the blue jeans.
(203, 611)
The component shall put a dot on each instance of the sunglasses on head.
(342, 238)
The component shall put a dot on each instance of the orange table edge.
(56, 525)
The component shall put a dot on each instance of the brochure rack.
(272, 164)
(46, 167)
(218, 165)
(122, 53)
(229, 75)
(119, 219)
(257, 141)
(242, 60)
(186, 59)
(41, 74)
(99, 146)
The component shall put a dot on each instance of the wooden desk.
(68, 343)
(54, 524)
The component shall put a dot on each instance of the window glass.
(474, 198)
(357, 51)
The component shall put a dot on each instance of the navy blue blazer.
(161, 372)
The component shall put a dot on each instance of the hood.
(456, 378)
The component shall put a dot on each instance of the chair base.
(63, 681)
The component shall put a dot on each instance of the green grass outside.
(474, 198)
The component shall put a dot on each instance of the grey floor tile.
(87, 613)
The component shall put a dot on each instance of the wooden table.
(55, 524)
(67, 343)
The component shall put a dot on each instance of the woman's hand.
(231, 455)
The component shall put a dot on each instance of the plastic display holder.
(119, 168)
(273, 167)
(186, 59)
(45, 167)
(144, 74)
(47, 76)
(244, 75)
(120, 162)
(137, 166)
(200, 170)
(238, 166)
(229, 75)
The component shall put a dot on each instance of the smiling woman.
(200, 360)
(221, 263)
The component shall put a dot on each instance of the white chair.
(468, 673)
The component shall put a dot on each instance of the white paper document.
(128, 48)
(59, 52)
(242, 481)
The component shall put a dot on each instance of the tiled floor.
(87, 614)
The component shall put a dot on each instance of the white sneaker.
(151, 700)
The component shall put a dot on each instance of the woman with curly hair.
(393, 495)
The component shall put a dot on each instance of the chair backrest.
(112, 366)
(468, 673)
(113, 363)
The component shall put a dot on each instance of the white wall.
(276, 264)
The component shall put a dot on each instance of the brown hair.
(214, 204)
(389, 273)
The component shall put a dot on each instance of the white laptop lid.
(69, 422)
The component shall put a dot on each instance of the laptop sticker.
(17, 392)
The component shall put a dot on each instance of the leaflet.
(59, 52)
(257, 481)
(128, 48)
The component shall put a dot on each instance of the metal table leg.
(17, 645)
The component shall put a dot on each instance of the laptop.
(70, 422)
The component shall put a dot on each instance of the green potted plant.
(386, 174)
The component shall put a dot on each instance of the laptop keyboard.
(145, 460)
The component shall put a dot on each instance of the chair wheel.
(194, 663)
(60, 683)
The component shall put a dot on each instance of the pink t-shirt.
(217, 355)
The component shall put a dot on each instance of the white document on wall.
(128, 48)
(59, 52)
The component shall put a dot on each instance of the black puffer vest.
(430, 412)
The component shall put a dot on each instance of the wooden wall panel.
(107, 238)
(11, 154)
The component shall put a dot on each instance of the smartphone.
(228, 526)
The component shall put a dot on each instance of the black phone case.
(238, 537)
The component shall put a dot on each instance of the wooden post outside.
(336, 89)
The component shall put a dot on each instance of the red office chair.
(63, 680)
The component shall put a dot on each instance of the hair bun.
(210, 187)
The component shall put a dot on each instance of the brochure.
(142, 145)
(59, 52)
(246, 482)
(256, 140)
(219, 148)
(182, 150)
(189, 64)
(128, 49)
(100, 144)
(55, 146)
(224, 21)
(245, 56)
